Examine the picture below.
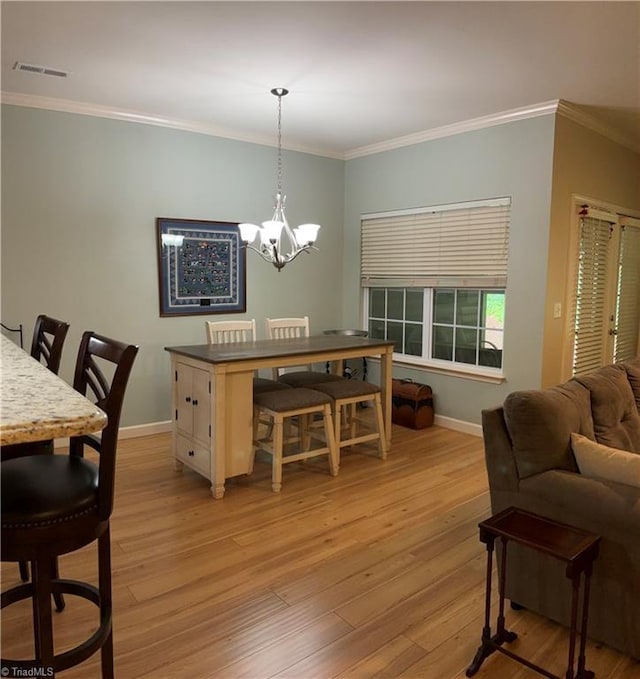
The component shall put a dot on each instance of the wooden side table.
(576, 548)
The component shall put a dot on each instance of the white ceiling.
(360, 73)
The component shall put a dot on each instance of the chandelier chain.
(279, 183)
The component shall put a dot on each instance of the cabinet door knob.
(191, 453)
(188, 399)
(195, 401)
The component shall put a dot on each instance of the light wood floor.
(376, 573)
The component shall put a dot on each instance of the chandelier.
(276, 241)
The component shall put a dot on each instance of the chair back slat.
(287, 328)
(48, 340)
(96, 381)
(224, 332)
(88, 375)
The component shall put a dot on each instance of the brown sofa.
(530, 465)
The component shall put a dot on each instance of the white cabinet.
(212, 416)
(192, 417)
(193, 454)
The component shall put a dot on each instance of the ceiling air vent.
(44, 70)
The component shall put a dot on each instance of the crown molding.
(81, 108)
(524, 113)
(558, 106)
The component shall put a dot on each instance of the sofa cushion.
(540, 423)
(616, 422)
(602, 462)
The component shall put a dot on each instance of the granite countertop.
(36, 405)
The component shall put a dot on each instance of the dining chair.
(223, 332)
(56, 504)
(302, 404)
(291, 328)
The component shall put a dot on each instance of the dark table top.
(266, 349)
(557, 539)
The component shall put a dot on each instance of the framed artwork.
(201, 267)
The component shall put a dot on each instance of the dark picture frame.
(206, 274)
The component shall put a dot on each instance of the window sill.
(478, 375)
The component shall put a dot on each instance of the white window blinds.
(590, 301)
(462, 245)
(628, 297)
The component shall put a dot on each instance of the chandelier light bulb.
(248, 232)
(306, 234)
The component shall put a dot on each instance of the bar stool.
(56, 504)
(302, 404)
(348, 394)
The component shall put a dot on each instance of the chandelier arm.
(264, 254)
(292, 255)
(293, 243)
(269, 255)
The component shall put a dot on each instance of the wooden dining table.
(212, 394)
(36, 405)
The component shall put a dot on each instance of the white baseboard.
(458, 425)
(145, 429)
(130, 432)
(165, 426)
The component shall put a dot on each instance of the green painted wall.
(508, 160)
(80, 196)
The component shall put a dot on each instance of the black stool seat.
(52, 500)
(44, 492)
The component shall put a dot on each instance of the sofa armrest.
(498, 452)
(604, 507)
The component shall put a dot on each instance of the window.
(397, 314)
(467, 325)
(434, 282)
